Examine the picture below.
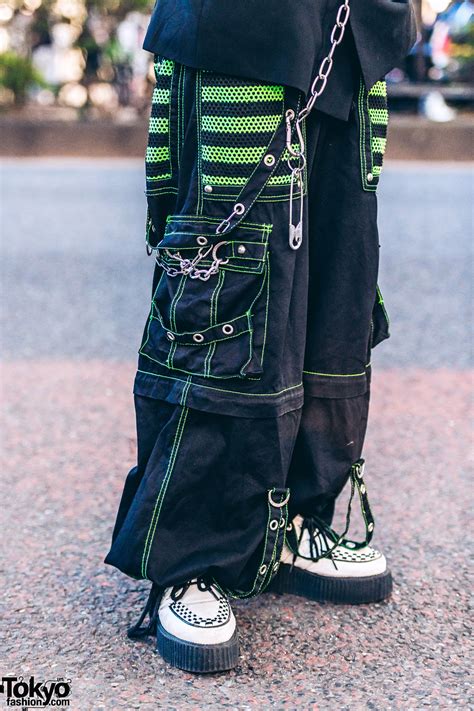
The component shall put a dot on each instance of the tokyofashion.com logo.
(27, 692)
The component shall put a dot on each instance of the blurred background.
(81, 60)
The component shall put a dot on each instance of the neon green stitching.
(163, 489)
(337, 375)
(222, 390)
(382, 304)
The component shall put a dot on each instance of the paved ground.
(75, 282)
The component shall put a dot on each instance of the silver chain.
(299, 155)
(317, 88)
(190, 266)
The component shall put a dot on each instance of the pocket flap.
(248, 243)
(219, 332)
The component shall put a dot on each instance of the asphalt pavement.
(75, 286)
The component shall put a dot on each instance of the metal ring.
(198, 337)
(277, 505)
(227, 329)
(239, 209)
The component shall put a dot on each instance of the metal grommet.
(273, 524)
(239, 209)
(370, 177)
(370, 527)
(241, 249)
(363, 489)
(198, 337)
(208, 188)
(289, 527)
(262, 570)
(349, 544)
(282, 523)
(269, 160)
(227, 329)
(275, 567)
(275, 503)
(201, 240)
(170, 336)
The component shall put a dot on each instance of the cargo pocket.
(380, 321)
(160, 165)
(238, 119)
(209, 310)
(373, 125)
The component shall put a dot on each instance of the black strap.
(314, 523)
(264, 171)
(273, 546)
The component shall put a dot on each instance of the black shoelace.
(140, 630)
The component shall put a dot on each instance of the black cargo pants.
(253, 382)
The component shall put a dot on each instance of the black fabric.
(303, 321)
(283, 41)
(197, 502)
(225, 417)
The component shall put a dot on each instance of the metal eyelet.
(228, 329)
(239, 209)
(276, 504)
(241, 249)
(269, 160)
(289, 527)
(201, 240)
(198, 337)
(275, 567)
(170, 336)
(273, 524)
(262, 570)
(282, 523)
(363, 489)
(370, 527)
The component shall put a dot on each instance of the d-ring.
(276, 505)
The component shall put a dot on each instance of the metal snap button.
(370, 177)
(269, 160)
(227, 329)
(208, 188)
(273, 524)
(201, 240)
(263, 570)
(198, 337)
(170, 336)
(241, 249)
